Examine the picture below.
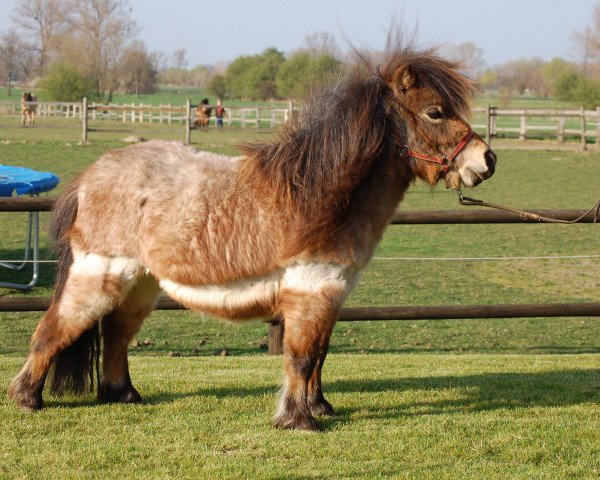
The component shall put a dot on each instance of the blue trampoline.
(25, 181)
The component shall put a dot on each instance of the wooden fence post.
(597, 127)
(522, 127)
(488, 125)
(188, 121)
(560, 133)
(84, 120)
(583, 128)
(275, 337)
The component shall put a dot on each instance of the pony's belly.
(259, 297)
(237, 300)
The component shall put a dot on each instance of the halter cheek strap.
(443, 161)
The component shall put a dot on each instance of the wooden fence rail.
(435, 312)
(415, 217)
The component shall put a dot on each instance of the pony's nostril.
(490, 160)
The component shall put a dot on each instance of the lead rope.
(470, 202)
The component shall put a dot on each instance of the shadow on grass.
(476, 393)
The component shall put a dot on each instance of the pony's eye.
(435, 114)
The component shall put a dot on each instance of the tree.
(521, 75)
(180, 59)
(99, 32)
(566, 85)
(488, 79)
(159, 60)
(217, 86)
(65, 83)
(469, 55)
(319, 44)
(301, 70)
(553, 71)
(44, 22)
(138, 73)
(575, 87)
(11, 51)
(199, 75)
(254, 77)
(586, 45)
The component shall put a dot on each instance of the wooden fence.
(438, 312)
(168, 114)
(556, 123)
(490, 121)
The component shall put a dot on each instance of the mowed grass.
(491, 402)
(399, 416)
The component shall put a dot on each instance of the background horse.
(203, 112)
(283, 230)
(27, 109)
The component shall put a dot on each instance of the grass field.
(445, 399)
(400, 416)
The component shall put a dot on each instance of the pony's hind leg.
(118, 328)
(307, 317)
(93, 287)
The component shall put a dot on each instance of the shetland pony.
(203, 112)
(283, 230)
(27, 109)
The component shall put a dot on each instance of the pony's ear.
(403, 79)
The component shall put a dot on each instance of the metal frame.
(33, 234)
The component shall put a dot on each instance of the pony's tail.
(73, 368)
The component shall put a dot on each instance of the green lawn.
(426, 399)
(399, 416)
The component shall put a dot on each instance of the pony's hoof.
(25, 400)
(108, 393)
(322, 409)
(297, 422)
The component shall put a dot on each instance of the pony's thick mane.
(320, 157)
(314, 163)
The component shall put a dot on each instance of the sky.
(221, 30)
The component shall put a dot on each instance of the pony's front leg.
(317, 403)
(308, 319)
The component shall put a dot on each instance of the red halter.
(444, 161)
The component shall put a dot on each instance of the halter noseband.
(405, 151)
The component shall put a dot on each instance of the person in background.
(219, 114)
